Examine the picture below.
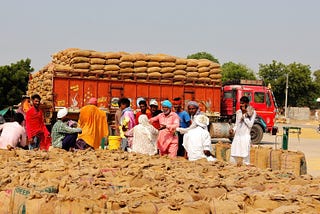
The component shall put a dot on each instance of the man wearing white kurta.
(240, 147)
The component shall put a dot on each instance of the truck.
(63, 84)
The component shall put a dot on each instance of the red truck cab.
(261, 99)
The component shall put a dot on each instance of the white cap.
(153, 102)
(62, 113)
(201, 120)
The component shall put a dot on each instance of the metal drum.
(220, 130)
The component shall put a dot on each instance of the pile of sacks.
(105, 181)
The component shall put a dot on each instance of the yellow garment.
(93, 123)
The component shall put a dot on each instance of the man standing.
(127, 122)
(169, 121)
(37, 131)
(64, 136)
(240, 147)
(184, 123)
(193, 109)
(143, 110)
(12, 133)
(154, 112)
(93, 123)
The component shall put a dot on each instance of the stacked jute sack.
(105, 181)
(139, 66)
(266, 157)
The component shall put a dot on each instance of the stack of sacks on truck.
(267, 158)
(104, 181)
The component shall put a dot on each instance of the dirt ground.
(307, 142)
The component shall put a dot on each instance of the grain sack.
(192, 74)
(111, 73)
(215, 71)
(262, 157)
(179, 72)
(139, 56)
(128, 58)
(47, 82)
(64, 68)
(126, 70)
(153, 69)
(80, 70)
(181, 61)
(205, 79)
(203, 70)
(275, 159)
(111, 68)
(97, 71)
(140, 63)
(167, 64)
(219, 130)
(97, 61)
(96, 54)
(126, 64)
(179, 77)
(156, 58)
(167, 70)
(221, 151)
(140, 75)
(79, 60)
(204, 74)
(83, 65)
(177, 82)
(293, 162)
(181, 67)
(215, 76)
(153, 64)
(112, 55)
(154, 75)
(214, 65)
(140, 70)
(167, 75)
(168, 58)
(165, 81)
(192, 69)
(96, 67)
(113, 61)
(204, 63)
(192, 62)
(76, 53)
(253, 155)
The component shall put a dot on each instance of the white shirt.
(12, 134)
(195, 141)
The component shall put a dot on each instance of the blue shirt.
(184, 119)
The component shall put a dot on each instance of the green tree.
(203, 55)
(231, 70)
(13, 82)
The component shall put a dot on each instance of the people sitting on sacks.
(167, 141)
(63, 135)
(240, 147)
(197, 139)
(94, 125)
(13, 134)
(145, 136)
(127, 122)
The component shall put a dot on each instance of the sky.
(250, 32)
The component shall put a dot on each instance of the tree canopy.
(203, 55)
(231, 70)
(13, 82)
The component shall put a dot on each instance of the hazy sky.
(250, 32)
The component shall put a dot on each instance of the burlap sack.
(140, 69)
(275, 159)
(153, 64)
(96, 54)
(192, 62)
(203, 70)
(47, 82)
(262, 157)
(166, 81)
(215, 71)
(192, 69)
(97, 71)
(111, 73)
(140, 64)
(167, 64)
(113, 61)
(112, 55)
(80, 70)
(141, 75)
(126, 70)
(155, 58)
(77, 53)
(206, 80)
(167, 75)
(214, 65)
(153, 69)
(215, 76)
(221, 151)
(154, 75)
(293, 162)
(96, 67)
(167, 70)
(192, 74)
(204, 74)
(5, 196)
(79, 60)
(97, 61)
(128, 58)
(204, 63)
(181, 67)
(83, 65)
(179, 77)
(140, 56)
(126, 64)
(111, 68)
(64, 68)
(179, 72)
(181, 61)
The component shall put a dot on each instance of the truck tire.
(256, 134)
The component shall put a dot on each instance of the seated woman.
(144, 137)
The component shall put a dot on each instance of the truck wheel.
(256, 134)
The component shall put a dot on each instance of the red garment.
(35, 125)
(148, 113)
